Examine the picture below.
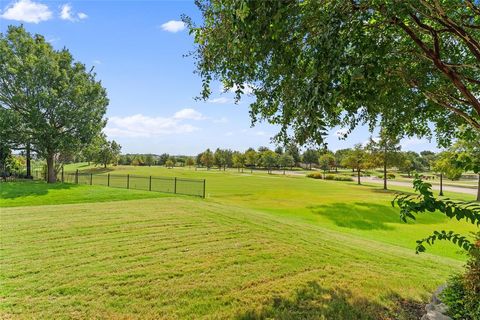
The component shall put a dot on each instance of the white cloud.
(139, 125)
(82, 15)
(67, 14)
(188, 113)
(220, 100)
(27, 11)
(97, 62)
(173, 26)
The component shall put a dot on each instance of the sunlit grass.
(259, 246)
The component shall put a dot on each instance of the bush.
(343, 178)
(389, 176)
(315, 175)
(462, 294)
(319, 175)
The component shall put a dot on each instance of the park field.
(259, 246)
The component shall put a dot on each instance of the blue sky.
(137, 49)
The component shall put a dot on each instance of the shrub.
(329, 177)
(454, 297)
(342, 178)
(389, 176)
(315, 175)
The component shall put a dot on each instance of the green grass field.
(260, 246)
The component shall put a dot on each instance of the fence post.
(108, 179)
(76, 177)
(150, 184)
(62, 175)
(204, 180)
(91, 178)
(175, 186)
(128, 181)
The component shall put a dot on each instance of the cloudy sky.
(137, 49)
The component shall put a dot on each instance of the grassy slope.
(346, 207)
(189, 258)
(259, 246)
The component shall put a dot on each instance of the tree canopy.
(57, 103)
(317, 64)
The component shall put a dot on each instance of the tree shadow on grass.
(368, 216)
(314, 302)
(12, 190)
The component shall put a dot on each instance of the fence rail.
(190, 187)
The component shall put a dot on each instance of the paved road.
(434, 186)
(446, 188)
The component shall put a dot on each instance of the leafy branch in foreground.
(411, 204)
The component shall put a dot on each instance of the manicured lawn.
(188, 259)
(260, 246)
(16, 194)
(342, 206)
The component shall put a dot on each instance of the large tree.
(59, 103)
(317, 64)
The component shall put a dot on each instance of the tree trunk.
(29, 165)
(105, 165)
(478, 188)
(358, 176)
(385, 170)
(51, 176)
(441, 184)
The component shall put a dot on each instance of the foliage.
(269, 159)
(326, 161)
(462, 294)
(318, 175)
(286, 160)
(454, 297)
(315, 175)
(445, 164)
(207, 158)
(310, 156)
(311, 64)
(426, 202)
(169, 163)
(58, 102)
(239, 159)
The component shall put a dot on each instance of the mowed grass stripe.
(199, 259)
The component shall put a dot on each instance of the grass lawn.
(260, 246)
(37, 193)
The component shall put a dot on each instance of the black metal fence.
(190, 187)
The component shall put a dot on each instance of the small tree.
(269, 159)
(357, 159)
(445, 166)
(169, 164)
(251, 157)
(149, 160)
(105, 152)
(326, 161)
(310, 156)
(239, 160)
(207, 158)
(190, 161)
(384, 152)
(285, 161)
